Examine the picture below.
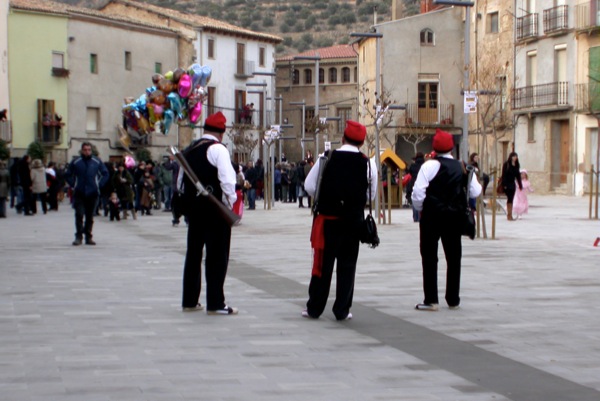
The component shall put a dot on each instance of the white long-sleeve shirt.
(310, 184)
(428, 171)
(219, 157)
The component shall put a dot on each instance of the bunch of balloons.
(175, 97)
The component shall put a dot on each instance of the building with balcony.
(492, 67)
(422, 70)
(587, 89)
(543, 95)
(337, 86)
(236, 55)
(37, 69)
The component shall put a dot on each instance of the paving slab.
(104, 322)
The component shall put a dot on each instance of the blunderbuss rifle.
(230, 217)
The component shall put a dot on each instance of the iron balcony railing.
(555, 94)
(587, 15)
(527, 27)
(443, 114)
(556, 19)
(245, 68)
(587, 97)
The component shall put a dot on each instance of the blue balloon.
(176, 104)
(168, 118)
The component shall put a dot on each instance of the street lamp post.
(464, 149)
(377, 36)
(316, 59)
(303, 104)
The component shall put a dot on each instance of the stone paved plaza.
(104, 323)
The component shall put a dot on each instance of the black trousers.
(341, 244)
(432, 229)
(85, 206)
(213, 233)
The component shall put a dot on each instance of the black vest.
(196, 155)
(343, 191)
(446, 192)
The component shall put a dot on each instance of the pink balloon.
(195, 113)
(185, 86)
(129, 161)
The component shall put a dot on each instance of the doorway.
(560, 150)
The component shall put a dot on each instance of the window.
(158, 68)
(344, 115)
(58, 60)
(321, 76)
(355, 74)
(427, 37)
(531, 66)
(296, 77)
(211, 48)
(240, 102)
(531, 129)
(241, 58)
(307, 76)
(94, 63)
(332, 75)
(345, 74)
(210, 100)
(128, 61)
(261, 56)
(492, 23)
(92, 119)
(428, 93)
(309, 114)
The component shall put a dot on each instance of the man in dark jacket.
(439, 194)
(210, 160)
(339, 214)
(24, 172)
(86, 175)
(413, 170)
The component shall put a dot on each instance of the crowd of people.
(435, 184)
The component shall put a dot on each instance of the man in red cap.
(339, 213)
(438, 194)
(211, 162)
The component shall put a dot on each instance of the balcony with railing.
(442, 115)
(244, 69)
(587, 98)
(587, 15)
(6, 131)
(552, 96)
(556, 20)
(527, 27)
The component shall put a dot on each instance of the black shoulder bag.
(469, 219)
(368, 233)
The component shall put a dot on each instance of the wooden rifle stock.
(228, 215)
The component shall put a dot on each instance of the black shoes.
(77, 241)
(90, 242)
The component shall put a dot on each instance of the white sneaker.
(427, 307)
(227, 310)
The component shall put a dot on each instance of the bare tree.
(244, 141)
(493, 107)
(377, 111)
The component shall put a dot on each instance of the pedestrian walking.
(338, 220)
(210, 161)
(439, 194)
(520, 201)
(511, 179)
(4, 187)
(85, 175)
